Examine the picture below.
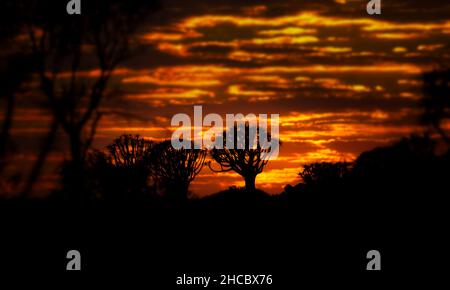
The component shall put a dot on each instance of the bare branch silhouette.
(246, 162)
(66, 48)
(15, 69)
(175, 169)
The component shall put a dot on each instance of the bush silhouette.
(411, 162)
(124, 170)
(436, 100)
(325, 174)
(408, 171)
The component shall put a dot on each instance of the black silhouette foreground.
(413, 170)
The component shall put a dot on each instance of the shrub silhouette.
(124, 170)
(325, 174)
(436, 100)
(409, 171)
(411, 162)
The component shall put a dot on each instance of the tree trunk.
(184, 191)
(5, 131)
(177, 191)
(76, 147)
(75, 177)
(250, 182)
(42, 156)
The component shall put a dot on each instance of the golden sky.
(341, 80)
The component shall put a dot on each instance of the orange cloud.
(397, 35)
(429, 47)
(173, 93)
(186, 76)
(288, 31)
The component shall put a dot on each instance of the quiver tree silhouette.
(247, 162)
(124, 170)
(75, 58)
(174, 169)
(130, 151)
(436, 101)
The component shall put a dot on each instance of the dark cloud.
(345, 81)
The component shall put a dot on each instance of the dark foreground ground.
(319, 240)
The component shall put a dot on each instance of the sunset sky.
(342, 81)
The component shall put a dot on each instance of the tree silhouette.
(408, 171)
(124, 170)
(15, 69)
(66, 47)
(436, 100)
(175, 169)
(247, 162)
(130, 151)
(410, 159)
(15, 72)
(133, 167)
